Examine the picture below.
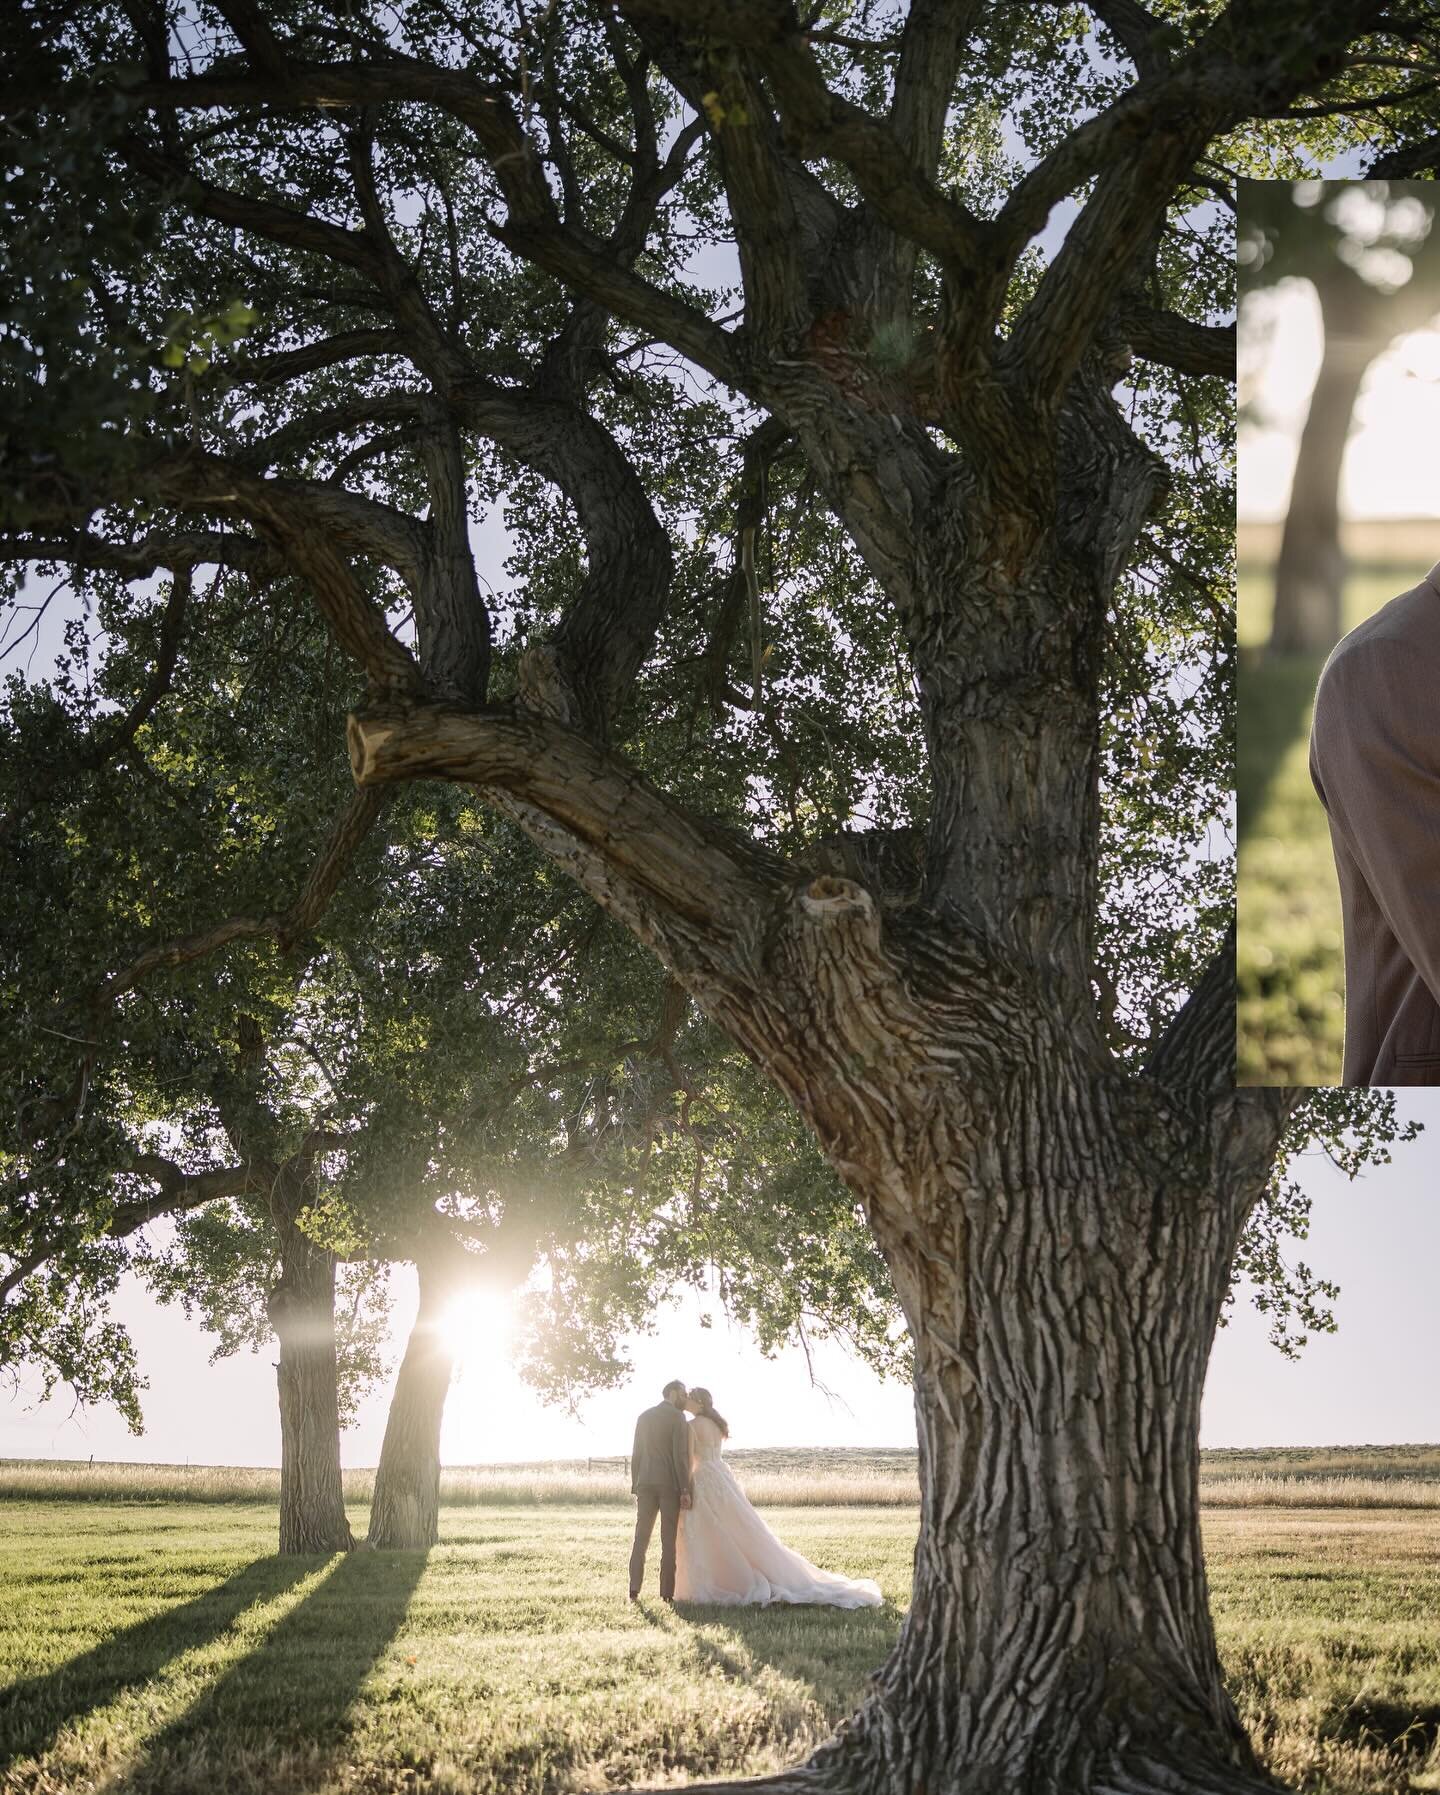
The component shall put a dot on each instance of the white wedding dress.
(727, 1554)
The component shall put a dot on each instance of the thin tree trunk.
(405, 1509)
(302, 1312)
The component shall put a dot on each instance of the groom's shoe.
(634, 1595)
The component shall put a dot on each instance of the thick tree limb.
(452, 623)
(1197, 1050)
(1407, 161)
(1251, 62)
(609, 626)
(784, 219)
(283, 365)
(1176, 342)
(181, 551)
(617, 820)
(1138, 32)
(266, 218)
(931, 48)
(820, 122)
(317, 528)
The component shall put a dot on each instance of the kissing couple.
(713, 1545)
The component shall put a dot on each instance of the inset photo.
(1338, 781)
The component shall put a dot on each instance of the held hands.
(685, 1500)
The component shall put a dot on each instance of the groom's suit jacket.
(661, 1459)
(1375, 761)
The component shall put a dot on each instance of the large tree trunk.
(1059, 1638)
(1062, 1273)
(302, 1312)
(405, 1509)
(1059, 1226)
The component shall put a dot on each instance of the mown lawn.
(161, 1647)
(1289, 957)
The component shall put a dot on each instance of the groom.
(1375, 761)
(660, 1478)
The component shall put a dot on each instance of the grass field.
(161, 1648)
(776, 1477)
(1289, 956)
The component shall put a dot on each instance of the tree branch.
(1197, 1050)
(1138, 32)
(180, 1192)
(931, 46)
(1176, 342)
(820, 122)
(1407, 161)
(1250, 63)
(639, 852)
(181, 553)
(286, 927)
(105, 741)
(608, 628)
(325, 352)
(533, 226)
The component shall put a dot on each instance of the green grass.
(163, 1649)
(166, 1651)
(1289, 959)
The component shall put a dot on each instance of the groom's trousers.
(652, 1500)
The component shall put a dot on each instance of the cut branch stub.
(829, 899)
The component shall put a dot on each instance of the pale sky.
(1391, 466)
(1372, 1383)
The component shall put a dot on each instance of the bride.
(726, 1553)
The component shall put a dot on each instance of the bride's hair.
(705, 1406)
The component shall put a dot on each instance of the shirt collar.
(1434, 576)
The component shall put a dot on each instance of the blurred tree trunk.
(1360, 324)
(1310, 571)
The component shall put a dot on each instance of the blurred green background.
(1289, 965)
(1339, 363)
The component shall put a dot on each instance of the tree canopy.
(847, 396)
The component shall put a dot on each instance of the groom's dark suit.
(1375, 761)
(659, 1476)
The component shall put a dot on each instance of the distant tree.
(416, 1078)
(915, 789)
(1372, 255)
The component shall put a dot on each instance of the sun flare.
(480, 1328)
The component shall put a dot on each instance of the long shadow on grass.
(33, 1712)
(833, 1650)
(1273, 713)
(279, 1716)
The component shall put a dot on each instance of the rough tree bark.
(302, 1312)
(405, 1509)
(1059, 1636)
